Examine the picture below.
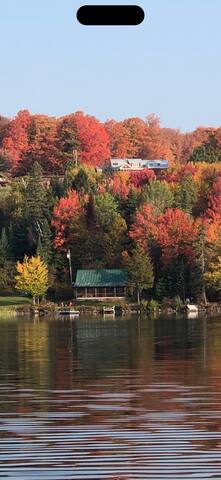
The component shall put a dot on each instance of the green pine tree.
(159, 195)
(4, 247)
(140, 272)
(205, 153)
(37, 206)
(185, 196)
(81, 182)
(130, 205)
(44, 245)
(173, 280)
(4, 165)
(36, 195)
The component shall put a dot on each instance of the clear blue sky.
(171, 65)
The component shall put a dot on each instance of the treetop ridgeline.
(51, 142)
(164, 226)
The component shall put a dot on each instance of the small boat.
(191, 308)
(109, 310)
(69, 312)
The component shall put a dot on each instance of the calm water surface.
(104, 399)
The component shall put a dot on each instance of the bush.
(152, 306)
(177, 302)
(144, 304)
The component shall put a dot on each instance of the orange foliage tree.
(119, 139)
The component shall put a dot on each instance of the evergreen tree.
(58, 188)
(202, 250)
(129, 205)
(4, 165)
(106, 209)
(70, 171)
(90, 215)
(185, 196)
(173, 280)
(36, 195)
(140, 272)
(81, 182)
(67, 139)
(205, 153)
(37, 205)
(4, 247)
(159, 195)
(44, 245)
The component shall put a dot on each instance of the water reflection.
(115, 399)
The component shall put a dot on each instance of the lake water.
(110, 399)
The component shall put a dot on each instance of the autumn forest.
(53, 197)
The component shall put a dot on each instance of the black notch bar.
(110, 15)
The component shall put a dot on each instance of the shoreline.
(93, 310)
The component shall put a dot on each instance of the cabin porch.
(102, 293)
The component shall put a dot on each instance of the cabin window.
(110, 291)
(80, 292)
(100, 292)
(90, 292)
(120, 291)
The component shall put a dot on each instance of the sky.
(170, 65)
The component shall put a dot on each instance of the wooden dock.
(69, 311)
(109, 310)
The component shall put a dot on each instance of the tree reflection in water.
(123, 398)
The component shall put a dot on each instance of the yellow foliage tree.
(213, 275)
(32, 277)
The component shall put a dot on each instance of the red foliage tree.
(176, 235)
(214, 202)
(16, 140)
(140, 178)
(64, 211)
(144, 229)
(92, 137)
(174, 232)
(42, 145)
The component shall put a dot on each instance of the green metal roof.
(101, 278)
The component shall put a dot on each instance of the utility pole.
(75, 157)
(70, 266)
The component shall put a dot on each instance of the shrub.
(152, 306)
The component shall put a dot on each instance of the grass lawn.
(11, 301)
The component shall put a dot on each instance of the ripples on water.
(95, 399)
